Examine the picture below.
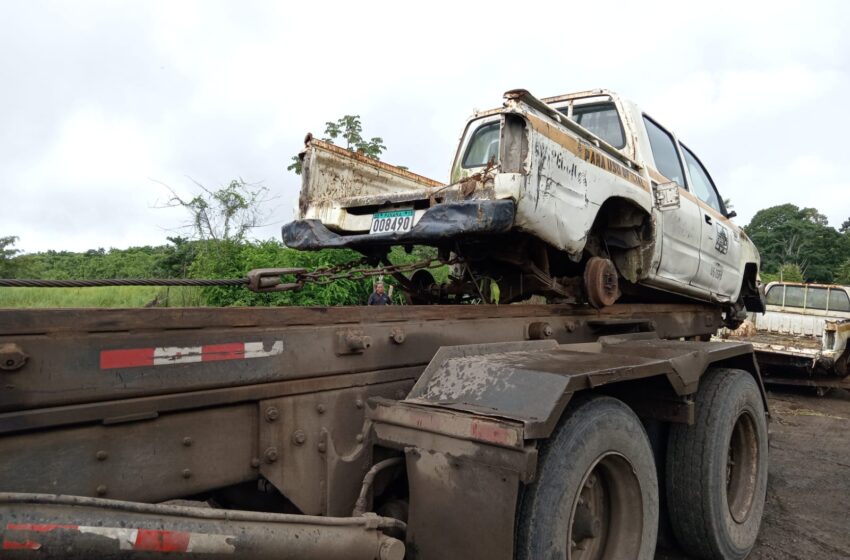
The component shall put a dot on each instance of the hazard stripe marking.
(169, 355)
(128, 538)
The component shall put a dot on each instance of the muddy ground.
(807, 515)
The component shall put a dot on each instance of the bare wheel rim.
(606, 520)
(742, 465)
(601, 282)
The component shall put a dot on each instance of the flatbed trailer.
(465, 431)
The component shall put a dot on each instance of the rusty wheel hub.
(601, 282)
(607, 518)
(742, 468)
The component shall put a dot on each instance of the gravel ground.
(807, 515)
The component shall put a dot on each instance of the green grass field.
(118, 296)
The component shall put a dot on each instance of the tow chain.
(261, 280)
(271, 279)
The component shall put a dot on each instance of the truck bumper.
(440, 223)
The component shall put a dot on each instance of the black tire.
(717, 469)
(596, 479)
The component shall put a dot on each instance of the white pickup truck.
(802, 337)
(580, 196)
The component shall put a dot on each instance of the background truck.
(476, 432)
(580, 198)
(802, 338)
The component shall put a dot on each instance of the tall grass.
(116, 296)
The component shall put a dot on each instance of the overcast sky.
(102, 102)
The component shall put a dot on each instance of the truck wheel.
(596, 492)
(601, 282)
(717, 468)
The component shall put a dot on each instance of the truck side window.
(838, 300)
(794, 296)
(483, 147)
(701, 183)
(816, 299)
(601, 119)
(774, 295)
(664, 152)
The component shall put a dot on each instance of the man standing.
(379, 297)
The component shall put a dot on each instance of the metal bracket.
(352, 342)
(666, 196)
(12, 357)
(263, 280)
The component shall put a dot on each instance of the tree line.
(798, 244)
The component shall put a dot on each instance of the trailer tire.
(596, 488)
(716, 476)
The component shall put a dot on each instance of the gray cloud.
(100, 100)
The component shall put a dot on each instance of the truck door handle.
(707, 219)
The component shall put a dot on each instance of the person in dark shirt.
(379, 297)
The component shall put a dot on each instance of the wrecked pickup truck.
(802, 337)
(579, 198)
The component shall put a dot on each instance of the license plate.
(392, 221)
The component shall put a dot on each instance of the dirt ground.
(807, 515)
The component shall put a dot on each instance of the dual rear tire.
(596, 495)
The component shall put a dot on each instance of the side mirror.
(731, 214)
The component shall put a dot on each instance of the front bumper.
(440, 223)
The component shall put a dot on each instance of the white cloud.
(808, 180)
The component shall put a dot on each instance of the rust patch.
(425, 181)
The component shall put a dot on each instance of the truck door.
(678, 213)
(720, 246)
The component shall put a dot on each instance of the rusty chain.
(271, 279)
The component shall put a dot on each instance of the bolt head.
(358, 403)
(299, 437)
(270, 455)
(187, 441)
(320, 408)
(101, 455)
(359, 438)
(186, 473)
(101, 490)
(322, 447)
(272, 414)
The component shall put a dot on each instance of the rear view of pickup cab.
(580, 197)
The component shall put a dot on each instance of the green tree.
(225, 214)
(7, 253)
(789, 235)
(350, 130)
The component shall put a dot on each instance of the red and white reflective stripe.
(167, 355)
(129, 538)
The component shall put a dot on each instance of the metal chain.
(327, 276)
